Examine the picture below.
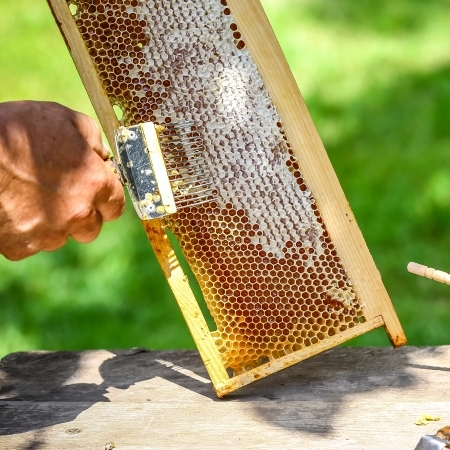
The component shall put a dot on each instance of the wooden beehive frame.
(316, 168)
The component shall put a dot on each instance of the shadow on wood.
(39, 391)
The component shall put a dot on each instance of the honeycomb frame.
(277, 297)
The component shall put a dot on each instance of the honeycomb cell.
(269, 272)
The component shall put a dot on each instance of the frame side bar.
(86, 68)
(315, 164)
(187, 302)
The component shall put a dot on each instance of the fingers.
(16, 251)
(60, 185)
(86, 226)
(110, 200)
(91, 132)
(19, 246)
(53, 241)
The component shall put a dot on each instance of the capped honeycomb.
(269, 272)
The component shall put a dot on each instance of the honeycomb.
(269, 272)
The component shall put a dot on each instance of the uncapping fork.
(163, 167)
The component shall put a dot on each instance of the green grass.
(376, 79)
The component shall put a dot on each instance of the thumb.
(91, 132)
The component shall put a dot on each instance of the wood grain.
(185, 298)
(345, 398)
(86, 69)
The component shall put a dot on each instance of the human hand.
(54, 182)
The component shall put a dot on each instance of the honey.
(269, 272)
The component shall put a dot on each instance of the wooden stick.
(429, 272)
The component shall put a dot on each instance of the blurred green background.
(376, 79)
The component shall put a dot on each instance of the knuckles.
(85, 224)
(53, 241)
(17, 251)
(17, 244)
(80, 191)
(15, 255)
(109, 197)
(81, 214)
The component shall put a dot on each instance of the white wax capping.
(236, 112)
(268, 269)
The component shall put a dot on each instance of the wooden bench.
(346, 398)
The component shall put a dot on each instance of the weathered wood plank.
(349, 398)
